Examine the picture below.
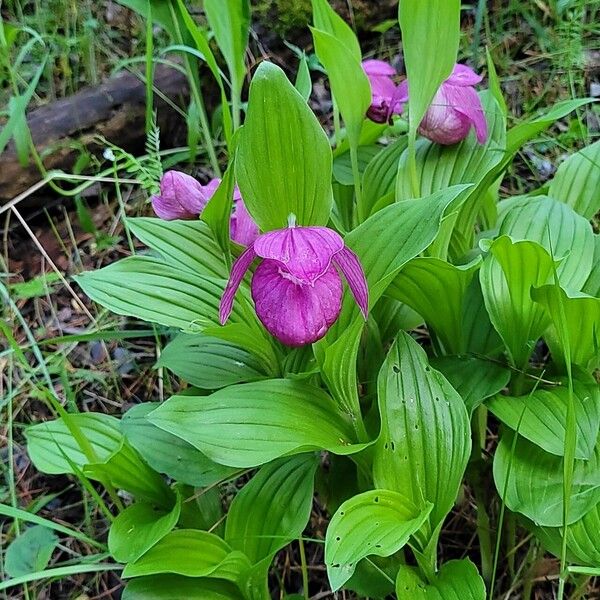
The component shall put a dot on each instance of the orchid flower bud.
(296, 288)
(181, 197)
(384, 102)
(455, 108)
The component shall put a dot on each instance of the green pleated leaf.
(456, 580)
(535, 486)
(475, 379)
(557, 228)
(425, 440)
(167, 453)
(592, 285)
(544, 414)
(138, 528)
(209, 363)
(188, 245)
(507, 275)
(192, 553)
(52, 447)
(430, 37)
(30, 551)
(250, 424)
(155, 291)
(523, 132)
(582, 316)
(577, 181)
(378, 522)
(421, 284)
(230, 22)
(283, 161)
(379, 178)
(326, 19)
(349, 83)
(273, 508)
(176, 587)
(342, 164)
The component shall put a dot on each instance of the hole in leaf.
(396, 368)
(376, 499)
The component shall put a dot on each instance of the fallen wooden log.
(115, 110)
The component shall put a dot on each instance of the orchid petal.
(350, 266)
(238, 270)
(378, 68)
(181, 197)
(462, 75)
(305, 252)
(296, 314)
(442, 123)
(466, 101)
(243, 228)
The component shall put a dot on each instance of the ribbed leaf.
(421, 284)
(577, 181)
(425, 441)
(582, 315)
(251, 424)
(475, 379)
(176, 587)
(507, 276)
(209, 363)
(544, 414)
(189, 245)
(535, 487)
(138, 528)
(378, 522)
(273, 508)
(558, 229)
(283, 161)
(326, 19)
(456, 580)
(155, 291)
(167, 453)
(30, 551)
(342, 164)
(592, 285)
(192, 553)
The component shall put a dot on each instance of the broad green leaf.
(52, 447)
(176, 587)
(564, 234)
(155, 291)
(209, 363)
(378, 522)
(326, 19)
(379, 178)
(582, 315)
(475, 379)
(467, 162)
(273, 508)
(201, 509)
(425, 440)
(518, 135)
(478, 331)
(192, 553)
(283, 161)
(30, 551)
(250, 424)
(230, 22)
(422, 282)
(535, 486)
(577, 181)
(342, 164)
(188, 245)
(592, 285)
(456, 580)
(349, 83)
(138, 528)
(541, 416)
(167, 453)
(507, 275)
(430, 37)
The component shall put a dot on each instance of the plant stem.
(357, 182)
(304, 568)
(412, 165)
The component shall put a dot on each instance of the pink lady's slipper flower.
(455, 108)
(296, 288)
(182, 197)
(384, 92)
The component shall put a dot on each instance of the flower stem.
(356, 177)
(412, 165)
